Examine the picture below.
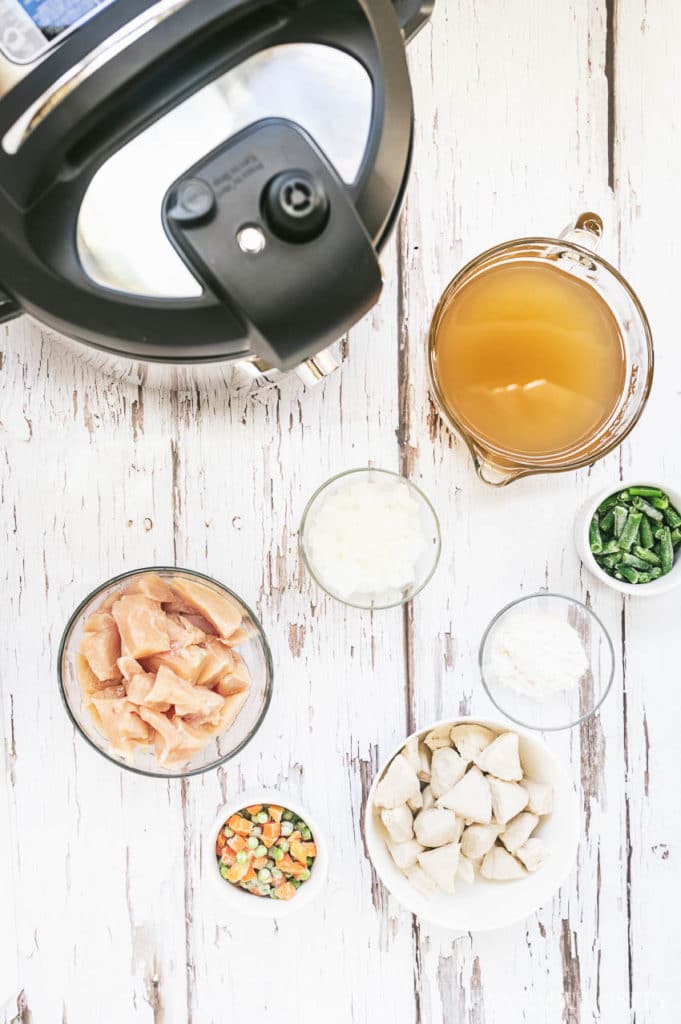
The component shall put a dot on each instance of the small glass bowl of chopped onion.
(370, 538)
(547, 661)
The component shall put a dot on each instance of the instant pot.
(192, 182)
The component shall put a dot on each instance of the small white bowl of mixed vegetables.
(266, 855)
(630, 537)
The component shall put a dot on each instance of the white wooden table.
(527, 112)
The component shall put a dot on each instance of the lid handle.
(268, 226)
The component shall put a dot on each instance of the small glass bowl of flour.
(547, 662)
(370, 538)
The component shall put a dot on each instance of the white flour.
(538, 655)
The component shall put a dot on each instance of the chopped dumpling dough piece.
(399, 784)
(437, 827)
(519, 830)
(533, 854)
(471, 739)
(478, 839)
(100, 644)
(151, 585)
(398, 822)
(501, 758)
(417, 877)
(425, 755)
(428, 798)
(142, 625)
(508, 799)
(500, 865)
(169, 688)
(446, 768)
(405, 854)
(465, 870)
(410, 751)
(217, 608)
(218, 662)
(470, 797)
(541, 796)
(416, 804)
(438, 738)
(441, 865)
(185, 662)
(120, 722)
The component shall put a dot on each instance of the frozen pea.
(241, 857)
(252, 843)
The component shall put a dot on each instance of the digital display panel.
(28, 27)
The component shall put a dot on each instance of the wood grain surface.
(527, 112)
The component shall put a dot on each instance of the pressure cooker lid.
(204, 179)
(122, 242)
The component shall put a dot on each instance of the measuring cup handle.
(586, 231)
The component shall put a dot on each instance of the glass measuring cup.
(573, 252)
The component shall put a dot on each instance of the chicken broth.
(529, 358)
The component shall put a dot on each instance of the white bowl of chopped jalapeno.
(265, 854)
(629, 537)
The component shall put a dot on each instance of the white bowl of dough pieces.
(504, 836)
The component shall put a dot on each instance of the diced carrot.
(250, 874)
(222, 839)
(259, 862)
(227, 856)
(237, 843)
(275, 812)
(238, 871)
(254, 808)
(242, 826)
(294, 835)
(301, 851)
(286, 864)
(272, 830)
(285, 891)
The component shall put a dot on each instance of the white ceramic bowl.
(239, 901)
(485, 905)
(584, 517)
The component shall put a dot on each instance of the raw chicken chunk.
(139, 687)
(185, 662)
(182, 632)
(142, 625)
(149, 584)
(215, 607)
(118, 720)
(188, 700)
(100, 644)
(218, 663)
(88, 680)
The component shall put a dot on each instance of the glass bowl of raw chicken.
(165, 672)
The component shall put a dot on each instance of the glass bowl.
(394, 595)
(254, 650)
(560, 709)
